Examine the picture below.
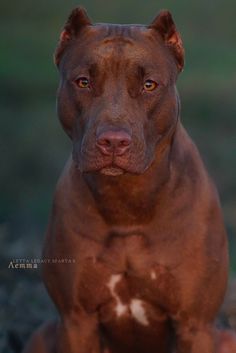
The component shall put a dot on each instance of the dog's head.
(117, 99)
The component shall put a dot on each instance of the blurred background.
(34, 148)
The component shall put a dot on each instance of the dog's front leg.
(78, 335)
(195, 338)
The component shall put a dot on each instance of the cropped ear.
(165, 26)
(77, 20)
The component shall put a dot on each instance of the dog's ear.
(77, 20)
(165, 26)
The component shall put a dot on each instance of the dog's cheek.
(164, 113)
(152, 122)
(69, 111)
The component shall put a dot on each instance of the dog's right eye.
(82, 82)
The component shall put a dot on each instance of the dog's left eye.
(82, 82)
(149, 85)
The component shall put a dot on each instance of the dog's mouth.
(114, 168)
(112, 171)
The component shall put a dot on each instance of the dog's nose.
(113, 142)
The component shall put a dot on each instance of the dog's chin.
(112, 171)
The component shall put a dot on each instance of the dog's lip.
(112, 170)
(108, 169)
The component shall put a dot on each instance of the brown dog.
(134, 207)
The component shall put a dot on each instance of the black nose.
(113, 142)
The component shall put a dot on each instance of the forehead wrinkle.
(117, 30)
(118, 39)
(124, 32)
(112, 56)
(114, 45)
(119, 44)
(116, 67)
(121, 63)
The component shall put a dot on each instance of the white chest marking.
(153, 274)
(120, 308)
(135, 308)
(138, 312)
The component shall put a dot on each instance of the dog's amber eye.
(149, 85)
(82, 82)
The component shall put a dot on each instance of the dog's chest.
(125, 283)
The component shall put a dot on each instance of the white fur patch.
(112, 283)
(153, 274)
(135, 308)
(138, 312)
(120, 308)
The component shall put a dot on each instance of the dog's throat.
(123, 200)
